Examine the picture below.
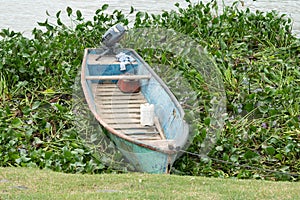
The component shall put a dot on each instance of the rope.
(240, 165)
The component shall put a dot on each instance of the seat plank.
(122, 121)
(114, 94)
(119, 102)
(93, 59)
(137, 131)
(120, 116)
(118, 77)
(120, 110)
(110, 106)
(127, 132)
(145, 137)
(130, 126)
(111, 95)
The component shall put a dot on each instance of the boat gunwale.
(114, 131)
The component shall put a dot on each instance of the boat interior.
(121, 111)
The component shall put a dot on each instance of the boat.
(141, 115)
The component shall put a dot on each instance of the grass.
(30, 183)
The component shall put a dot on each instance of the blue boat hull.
(154, 154)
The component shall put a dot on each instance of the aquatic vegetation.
(256, 53)
(259, 59)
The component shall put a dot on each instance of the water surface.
(23, 15)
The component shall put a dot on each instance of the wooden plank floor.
(122, 111)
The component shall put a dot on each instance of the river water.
(23, 15)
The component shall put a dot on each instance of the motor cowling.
(113, 35)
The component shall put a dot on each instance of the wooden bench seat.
(118, 77)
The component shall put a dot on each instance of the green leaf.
(16, 122)
(35, 105)
(49, 27)
(97, 12)
(59, 22)
(79, 151)
(248, 107)
(222, 44)
(58, 14)
(43, 23)
(104, 7)
(250, 154)
(18, 160)
(207, 121)
(225, 156)
(279, 156)
(234, 158)
(131, 10)
(48, 154)
(48, 91)
(69, 11)
(67, 153)
(79, 15)
(284, 168)
(25, 159)
(270, 150)
(288, 148)
(38, 140)
(7, 109)
(219, 148)
(139, 14)
(59, 107)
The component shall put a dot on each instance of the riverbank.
(255, 53)
(30, 183)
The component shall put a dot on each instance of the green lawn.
(28, 183)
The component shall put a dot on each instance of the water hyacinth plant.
(256, 53)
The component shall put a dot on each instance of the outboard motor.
(111, 37)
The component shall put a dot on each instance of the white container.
(147, 114)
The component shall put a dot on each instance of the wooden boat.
(115, 97)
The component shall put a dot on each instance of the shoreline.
(24, 22)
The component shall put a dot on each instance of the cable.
(239, 165)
